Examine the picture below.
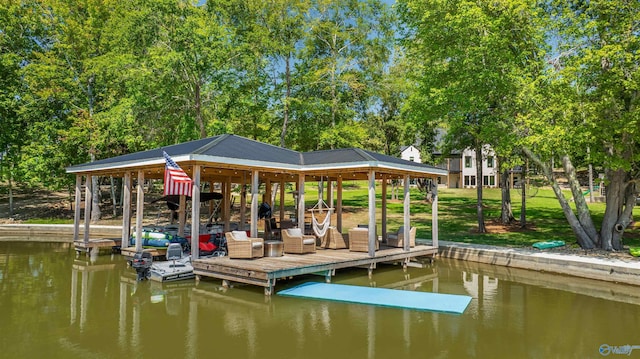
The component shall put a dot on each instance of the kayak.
(548, 244)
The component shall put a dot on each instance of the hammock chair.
(320, 228)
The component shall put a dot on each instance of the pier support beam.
(139, 210)
(195, 212)
(407, 214)
(76, 210)
(126, 210)
(88, 195)
(372, 214)
(255, 184)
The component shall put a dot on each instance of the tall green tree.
(346, 43)
(470, 59)
(591, 104)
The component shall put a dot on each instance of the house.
(461, 167)
(490, 173)
(410, 153)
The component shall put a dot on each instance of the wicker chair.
(359, 240)
(397, 239)
(296, 242)
(241, 246)
(333, 239)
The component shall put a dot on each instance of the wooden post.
(384, 208)
(339, 205)
(434, 217)
(195, 213)
(407, 213)
(182, 214)
(126, 210)
(243, 201)
(255, 183)
(372, 214)
(227, 203)
(76, 210)
(88, 195)
(300, 213)
(282, 193)
(139, 210)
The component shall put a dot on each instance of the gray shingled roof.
(232, 149)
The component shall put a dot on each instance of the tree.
(347, 42)
(471, 60)
(591, 101)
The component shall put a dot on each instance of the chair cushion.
(295, 232)
(239, 235)
(256, 244)
(400, 230)
(309, 241)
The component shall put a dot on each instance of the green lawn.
(456, 214)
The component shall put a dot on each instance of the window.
(466, 180)
(489, 181)
(490, 162)
(412, 159)
(473, 180)
(467, 161)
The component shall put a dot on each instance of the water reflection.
(94, 307)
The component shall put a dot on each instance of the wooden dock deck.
(96, 245)
(267, 270)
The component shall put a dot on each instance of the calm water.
(54, 305)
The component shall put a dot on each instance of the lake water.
(54, 305)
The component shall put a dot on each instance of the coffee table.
(273, 248)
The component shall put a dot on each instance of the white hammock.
(320, 228)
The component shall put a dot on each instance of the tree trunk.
(11, 190)
(96, 214)
(584, 216)
(523, 205)
(285, 122)
(114, 200)
(481, 226)
(582, 237)
(621, 197)
(198, 108)
(506, 216)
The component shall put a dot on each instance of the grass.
(457, 219)
(457, 216)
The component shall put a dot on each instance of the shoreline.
(615, 270)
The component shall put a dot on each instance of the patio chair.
(239, 245)
(359, 240)
(396, 239)
(296, 242)
(333, 239)
(272, 228)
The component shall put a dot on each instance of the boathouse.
(231, 159)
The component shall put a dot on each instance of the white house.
(410, 153)
(489, 168)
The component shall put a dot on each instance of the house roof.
(228, 152)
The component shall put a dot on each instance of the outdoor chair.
(333, 239)
(396, 239)
(359, 240)
(272, 228)
(239, 245)
(296, 242)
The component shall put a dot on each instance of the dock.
(96, 245)
(156, 253)
(266, 271)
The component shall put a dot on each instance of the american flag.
(176, 181)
